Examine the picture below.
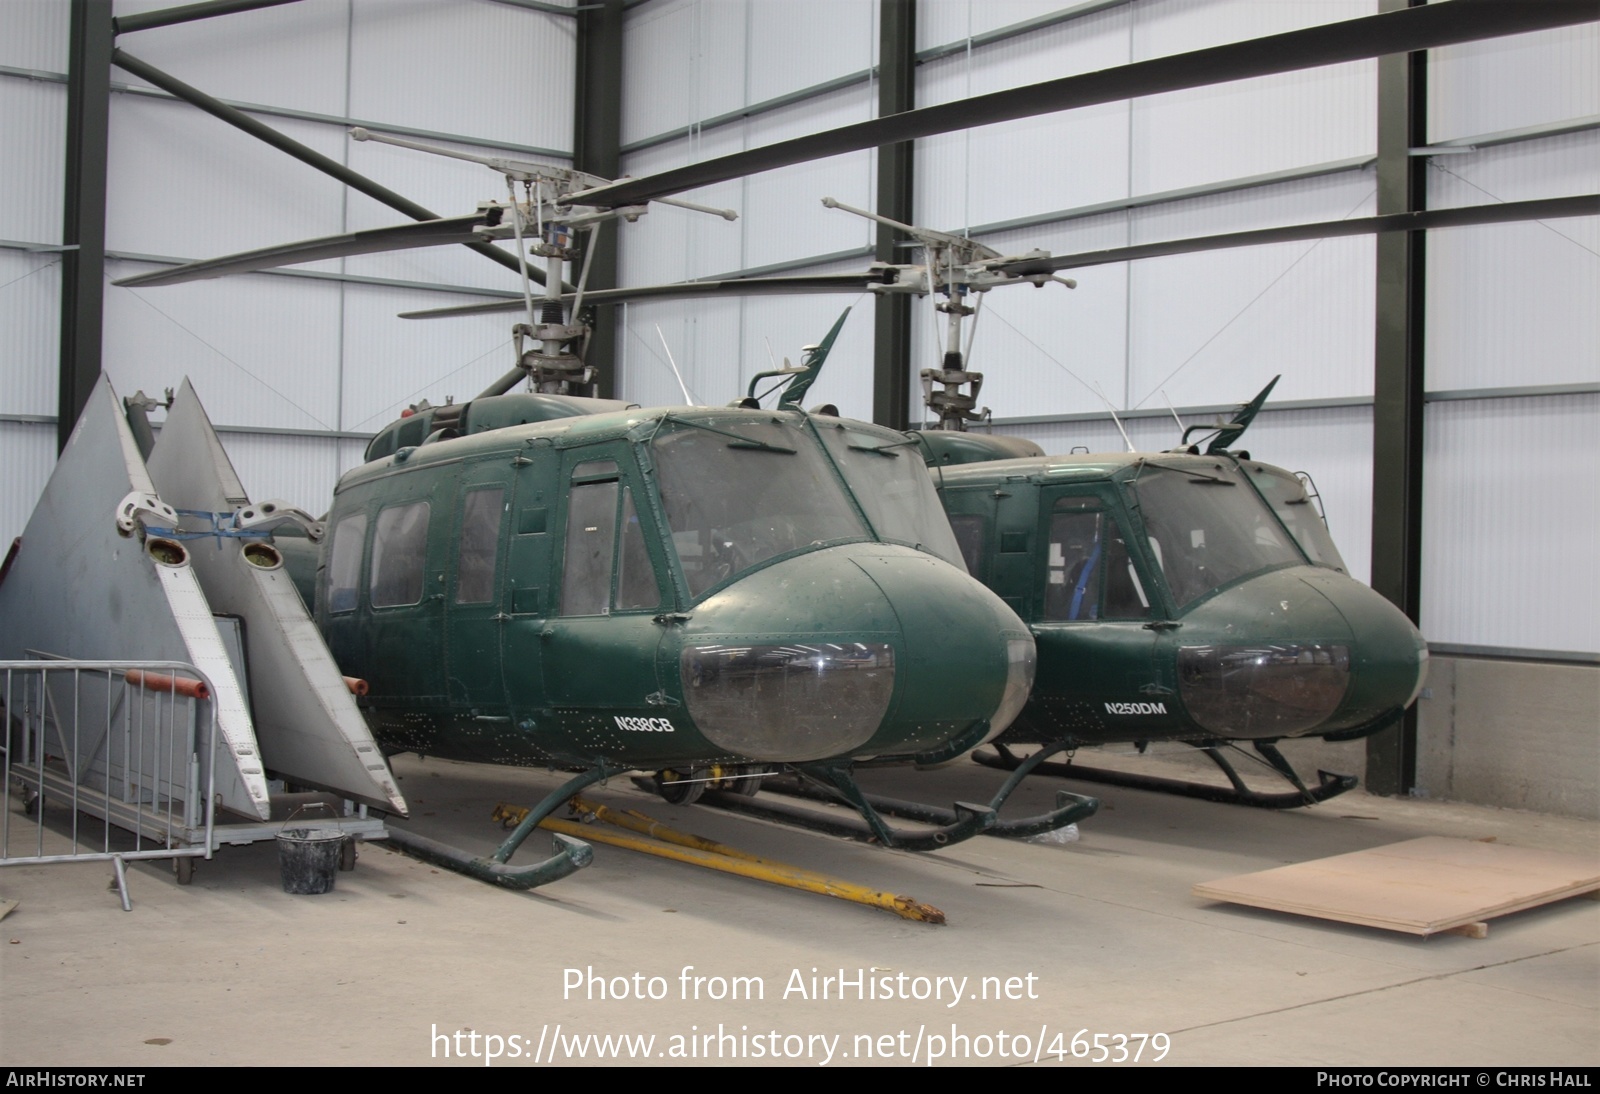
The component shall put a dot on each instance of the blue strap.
(1083, 582)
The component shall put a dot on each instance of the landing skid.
(965, 820)
(570, 855)
(1328, 786)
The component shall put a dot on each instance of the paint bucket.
(308, 859)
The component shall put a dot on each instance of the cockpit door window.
(1089, 574)
(591, 545)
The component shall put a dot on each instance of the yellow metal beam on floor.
(699, 851)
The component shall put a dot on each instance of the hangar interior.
(1443, 398)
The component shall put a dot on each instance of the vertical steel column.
(897, 91)
(1397, 420)
(83, 216)
(597, 145)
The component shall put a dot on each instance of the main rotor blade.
(1426, 27)
(736, 286)
(1542, 209)
(426, 233)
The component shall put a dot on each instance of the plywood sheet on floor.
(1421, 886)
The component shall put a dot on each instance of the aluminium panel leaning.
(89, 582)
(309, 726)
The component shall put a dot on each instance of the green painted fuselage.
(1180, 597)
(659, 589)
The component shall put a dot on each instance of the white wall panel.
(291, 56)
(671, 244)
(702, 339)
(261, 350)
(35, 34)
(782, 213)
(1510, 523)
(33, 127)
(792, 46)
(298, 470)
(1253, 127)
(28, 453)
(1513, 304)
(720, 344)
(30, 332)
(941, 22)
(350, 454)
(1508, 83)
(1163, 27)
(182, 183)
(1208, 324)
(482, 70)
(684, 61)
(1057, 161)
(390, 363)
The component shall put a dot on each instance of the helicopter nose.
(1327, 655)
(861, 649)
(1388, 655)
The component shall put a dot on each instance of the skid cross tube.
(1070, 808)
(962, 823)
(1329, 785)
(569, 855)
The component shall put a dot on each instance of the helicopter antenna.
(1174, 410)
(1114, 418)
(685, 387)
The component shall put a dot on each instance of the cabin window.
(399, 555)
(1089, 572)
(480, 542)
(591, 541)
(344, 567)
(636, 578)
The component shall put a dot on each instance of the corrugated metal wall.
(318, 358)
(1509, 307)
(688, 62)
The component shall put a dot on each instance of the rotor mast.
(545, 223)
(955, 267)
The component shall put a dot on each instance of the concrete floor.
(1101, 935)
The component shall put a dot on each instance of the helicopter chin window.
(1021, 660)
(803, 701)
(1263, 691)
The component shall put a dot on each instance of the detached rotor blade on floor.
(400, 237)
(1426, 27)
(737, 286)
(1505, 212)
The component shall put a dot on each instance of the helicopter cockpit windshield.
(738, 492)
(1288, 499)
(1207, 527)
(891, 481)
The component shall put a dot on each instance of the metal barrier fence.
(109, 760)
